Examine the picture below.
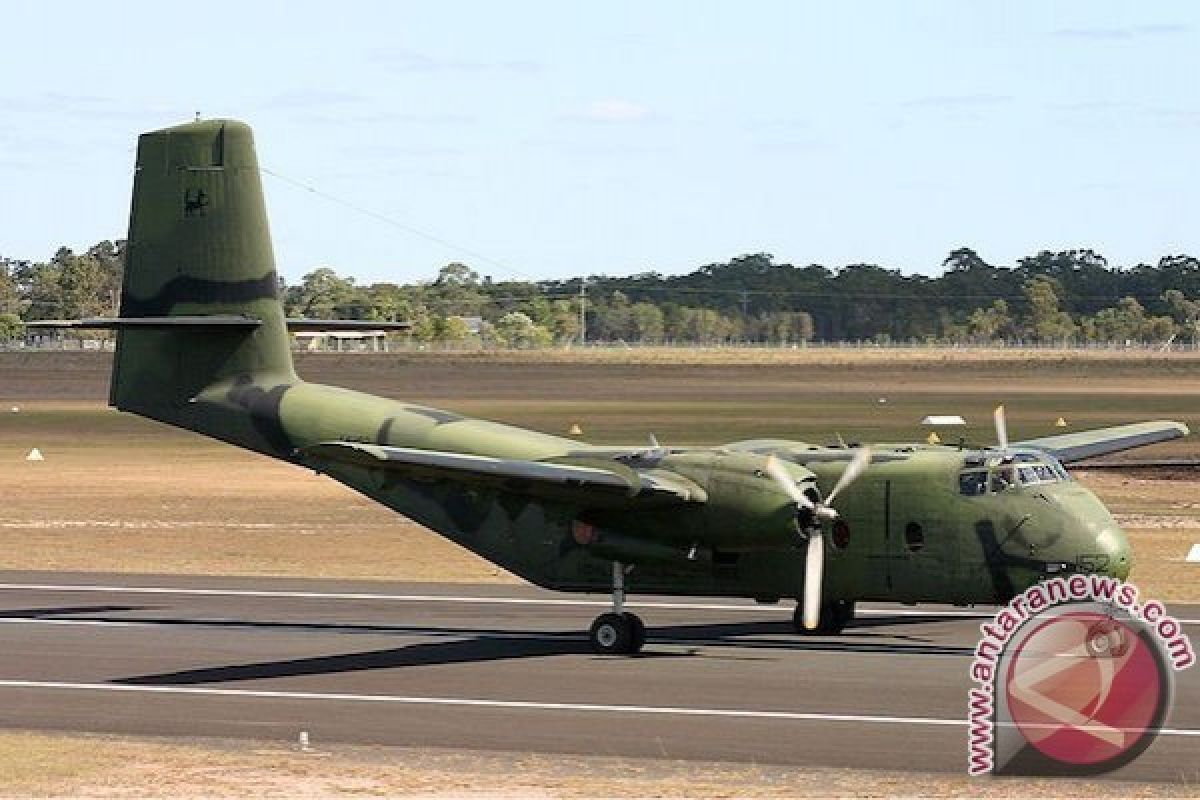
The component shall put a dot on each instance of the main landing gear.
(617, 632)
(835, 615)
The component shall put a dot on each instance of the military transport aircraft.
(202, 344)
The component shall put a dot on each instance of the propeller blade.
(814, 569)
(859, 463)
(780, 475)
(1001, 427)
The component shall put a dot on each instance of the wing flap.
(584, 484)
(1069, 447)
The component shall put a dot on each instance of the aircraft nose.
(1112, 543)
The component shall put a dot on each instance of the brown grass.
(852, 355)
(121, 494)
(183, 505)
(40, 765)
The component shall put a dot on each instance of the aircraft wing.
(1069, 447)
(590, 485)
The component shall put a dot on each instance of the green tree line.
(1072, 296)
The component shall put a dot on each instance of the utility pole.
(745, 303)
(583, 311)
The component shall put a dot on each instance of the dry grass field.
(40, 765)
(117, 493)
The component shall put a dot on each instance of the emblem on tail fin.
(195, 202)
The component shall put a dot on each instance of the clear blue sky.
(554, 138)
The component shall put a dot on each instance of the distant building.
(342, 341)
(474, 324)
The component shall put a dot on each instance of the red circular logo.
(1086, 689)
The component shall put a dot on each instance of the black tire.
(845, 613)
(639, 633)
(835, 615)
(612, 634)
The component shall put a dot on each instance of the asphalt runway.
(502, 668)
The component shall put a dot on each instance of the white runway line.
(82, 622)
(481, 600)
(441, 598)
(519, 705)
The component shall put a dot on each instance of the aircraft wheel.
(617, 634)
(843, 613)
(835, 615)
(639, 632)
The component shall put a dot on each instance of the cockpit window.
(1021, 470)
(1037, 473)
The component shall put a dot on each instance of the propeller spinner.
(814, 561)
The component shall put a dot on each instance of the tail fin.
(199, 246)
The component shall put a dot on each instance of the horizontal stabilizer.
(1068, 447)
(316, 325)
(588, 486)
(213, 321)
(118, 323)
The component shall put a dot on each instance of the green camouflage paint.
(199, 245)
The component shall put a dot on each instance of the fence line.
(405, 345)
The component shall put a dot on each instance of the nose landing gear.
(617, 632)
(835, 615)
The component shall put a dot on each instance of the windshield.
(1023, 469)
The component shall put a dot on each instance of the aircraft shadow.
(492, 646)
(880, 621)
(474, 650)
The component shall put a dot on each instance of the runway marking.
(479, 600)
(440, 598)
(103, 623)
(526, 705)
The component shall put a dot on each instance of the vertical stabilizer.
(199, 245)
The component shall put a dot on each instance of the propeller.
(1001, 428)
(858, 464)
(814, 560)
(776, 471)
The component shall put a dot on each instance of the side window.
(841, 534)
(914, 537)
(1002, 479)
(972, 483)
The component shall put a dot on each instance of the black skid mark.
(187, 289)
(263, 408)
